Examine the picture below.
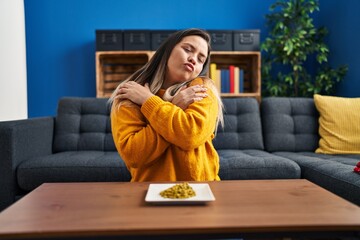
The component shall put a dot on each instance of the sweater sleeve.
(186, 129)
(136, 140)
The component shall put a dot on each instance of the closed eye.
(187, 49)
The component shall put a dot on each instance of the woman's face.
(186, 60)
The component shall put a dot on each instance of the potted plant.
(292, 43)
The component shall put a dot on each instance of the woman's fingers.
(197, 88)
(147, 86)
(188, 95)
(122, 92)
(135, 92)
(195, 93)
(201, 94)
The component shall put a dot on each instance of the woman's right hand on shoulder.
(188, 95)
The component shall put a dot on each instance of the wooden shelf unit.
(250, 62)
(112, 67)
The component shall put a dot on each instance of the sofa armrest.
(21, 140)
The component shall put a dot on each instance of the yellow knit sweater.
(162, 142)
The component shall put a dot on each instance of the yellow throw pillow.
(339, 124)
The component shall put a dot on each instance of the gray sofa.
(290, 130)
(275, 140)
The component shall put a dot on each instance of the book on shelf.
(241, 80)
(236, 80)
(225, 81)
(230, 79)
(215, 75)
(213, 71)
(218, 80)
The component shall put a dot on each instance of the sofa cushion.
(289, 124)
(339, 124)
(332, 172)
(83, 124)
(242, 129)
(72, 166)
(255, 164)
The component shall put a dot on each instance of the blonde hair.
(220, 116)
(153, 72)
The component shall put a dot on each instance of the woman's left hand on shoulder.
(134, 92)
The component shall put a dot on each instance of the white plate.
(202, 190)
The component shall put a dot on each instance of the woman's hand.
(134, 92)
(188, 95)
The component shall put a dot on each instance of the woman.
(164, 116)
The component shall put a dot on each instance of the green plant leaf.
(293, 39)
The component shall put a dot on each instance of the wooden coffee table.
(245, 209)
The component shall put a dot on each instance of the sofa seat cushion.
(255, 164)
(77, 166)
(332, 172)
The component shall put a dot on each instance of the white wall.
(13, 88)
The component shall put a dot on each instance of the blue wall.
(60, 37)
(342, 19)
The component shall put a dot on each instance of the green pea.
(179, 191)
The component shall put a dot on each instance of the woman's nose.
(191, 59)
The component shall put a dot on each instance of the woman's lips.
(189, 67)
